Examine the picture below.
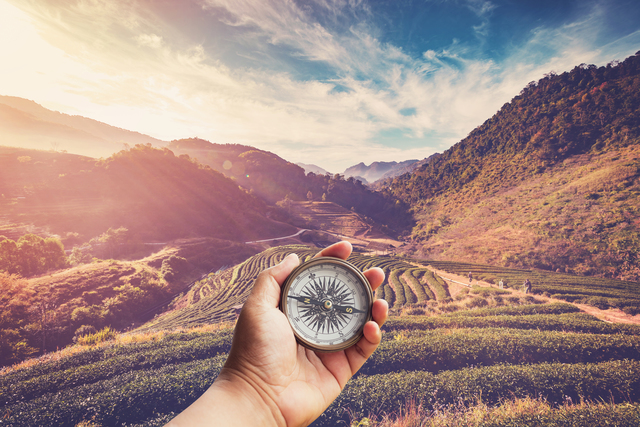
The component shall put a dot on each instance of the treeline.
(31, 255)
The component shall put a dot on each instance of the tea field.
(443, 352)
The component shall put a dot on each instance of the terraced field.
(331, 217)
(525, 363)
(214, 298)
(595, 291)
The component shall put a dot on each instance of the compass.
(327, 302)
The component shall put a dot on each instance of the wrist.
(253, 403)
(231, 401)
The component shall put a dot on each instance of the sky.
(326, 82)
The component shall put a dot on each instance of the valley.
(122, 277)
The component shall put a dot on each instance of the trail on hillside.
(610, 315)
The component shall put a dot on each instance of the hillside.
(45, 312)
(151, 192)
(452, 354)
(550, 181)
(27, 124)
(410, 286)
(267, 175)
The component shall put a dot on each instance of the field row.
(416, 348)
(569, 322)
(148, 394)
(616, 381)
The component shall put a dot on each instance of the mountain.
(27, 124)
(377, 170)
(313, 168)
(151, 192)
(262, 172)
(407, 167)
(550, 181)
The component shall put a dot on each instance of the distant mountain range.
(24, 123)
(313, 169)
(377, 170)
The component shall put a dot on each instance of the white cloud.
(120, 64)
(150, 40)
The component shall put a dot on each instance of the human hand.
(273, 380)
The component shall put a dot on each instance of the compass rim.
(309, 264)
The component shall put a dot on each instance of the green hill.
(445, 357)
(550, 181)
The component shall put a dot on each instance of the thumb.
(266, 290)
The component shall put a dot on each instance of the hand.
(269, 379)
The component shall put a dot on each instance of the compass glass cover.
(327, 302)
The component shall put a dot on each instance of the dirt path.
(612, 315)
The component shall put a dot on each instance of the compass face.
(327, 301)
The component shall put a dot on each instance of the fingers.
(340, 250)
(359, 353)
(280, 271)
(267, 287)
(375, 276)
(380, 311)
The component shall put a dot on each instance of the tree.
(15, 300)
(110, 241)
(8, 255)
(31, 255)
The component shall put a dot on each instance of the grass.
(516, 412)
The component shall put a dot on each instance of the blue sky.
(329, 82)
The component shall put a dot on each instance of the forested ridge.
(589, 109)
(550, 181)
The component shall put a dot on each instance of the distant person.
(470, 277)
(501, 284)
(527, 286)
(268, 378)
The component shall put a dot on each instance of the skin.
(271, 380)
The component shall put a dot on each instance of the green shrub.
(477, 302)
(105, 334)
(598, 302)
(631, 310)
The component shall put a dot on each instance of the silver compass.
(327, 302)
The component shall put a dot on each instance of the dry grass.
(120, 339)
(413, 414)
